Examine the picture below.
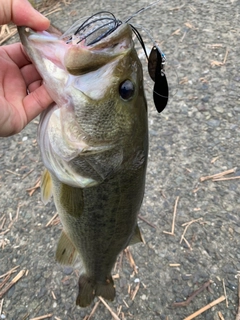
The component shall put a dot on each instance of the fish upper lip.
(81, 58)
(118, 34)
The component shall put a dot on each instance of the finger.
(16, 53)
(34, 85)
(30, 74)
(24, 14)
(36, 102)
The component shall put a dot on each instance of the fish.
(93, 141)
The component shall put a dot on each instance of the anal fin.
(66, 252)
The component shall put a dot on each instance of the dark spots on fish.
(126, 90)
(105, 197)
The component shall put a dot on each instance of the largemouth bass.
(93, 141)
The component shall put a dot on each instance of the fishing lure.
(102, 24)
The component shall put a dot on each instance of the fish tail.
(88, 289)
(106, 289)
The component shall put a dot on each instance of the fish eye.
(126, 90)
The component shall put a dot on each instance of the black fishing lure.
(156, 61)
(156, 71)
(102, 24)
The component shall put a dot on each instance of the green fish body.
(94, 145)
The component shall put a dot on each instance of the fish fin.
(46, 186)
(66, 252)
(106, 290)
(88, 289)
(137, 237)
(71, 199)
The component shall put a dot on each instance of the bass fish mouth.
(95, 41)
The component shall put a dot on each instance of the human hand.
(17, 73)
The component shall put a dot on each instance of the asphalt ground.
(197, 135)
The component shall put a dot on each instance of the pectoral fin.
(137, 237)
(66, 253)
(46, 186)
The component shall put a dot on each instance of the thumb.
(22, 13)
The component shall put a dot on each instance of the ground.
(197, 135)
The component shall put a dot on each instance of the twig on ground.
(15, 173)
(174, 217)
(43, 317)
(238, 312)
(93, 310)
(220, 315)
(187, 243)
(134, 293)
(130, 259)
(5, 280)
(186, 225)
(192, 295)
(225, 293)
(53, 295)
(27, 174)
(3, 220)
(36, 186)
(215, 159)
(149, 223)
(226, 55)
(1, 306)
(13, 281)
(125, 303)
(219, 63)
(115, 317)
(218, 175)
(16, 217)
(119, 309)
(208, 306)
(51, 220)
(225, 179)
(9, 272)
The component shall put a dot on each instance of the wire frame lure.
(98, 26)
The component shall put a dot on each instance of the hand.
(17, 73)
